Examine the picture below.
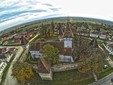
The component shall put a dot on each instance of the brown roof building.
(57, 44)
(43, 66)
(44, 69)
(35, 46)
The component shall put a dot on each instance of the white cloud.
(25, 18)
(86, 7)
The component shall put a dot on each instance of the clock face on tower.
(68, 43)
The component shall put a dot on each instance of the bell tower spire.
(68, 35)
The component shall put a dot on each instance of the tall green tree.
(23, 72)
(50, 53)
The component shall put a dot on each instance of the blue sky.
(14, 12)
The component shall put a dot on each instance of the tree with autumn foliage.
(89, 56)
(22, 71)
(90, 63)
(91, 59)
(50, 53)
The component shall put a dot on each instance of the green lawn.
(72, 77)
(104, 71)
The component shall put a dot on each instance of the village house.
(3, 58)
(94, 33)
(17, 41)
(2, 67)
(103, 36)
(27, 35)
(109, 48)
(4, 50)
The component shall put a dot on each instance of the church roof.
(57, 44)
(35, 47)
(68, 31)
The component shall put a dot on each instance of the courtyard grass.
(72, 77)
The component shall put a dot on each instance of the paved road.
(24, 56)
(104, 81)
(10, 80)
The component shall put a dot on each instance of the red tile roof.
(57, 44)
(4, 49)
(36, 46)
(12, 49)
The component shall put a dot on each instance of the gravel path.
(10, 80)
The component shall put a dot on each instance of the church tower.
(68, 36)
